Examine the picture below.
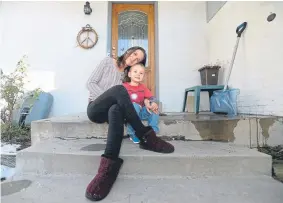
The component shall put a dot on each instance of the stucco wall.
(257, 71)
(46, 32)
(182, 50)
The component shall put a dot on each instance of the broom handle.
(232, 63)
(240, 29)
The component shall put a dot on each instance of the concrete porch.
(211, 151)
(202, 136)
(246, 130)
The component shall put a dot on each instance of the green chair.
(197, 90)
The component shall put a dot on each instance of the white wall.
(182, 49)
(258, 70)
(46, 32)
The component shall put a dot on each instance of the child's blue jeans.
(151, 118)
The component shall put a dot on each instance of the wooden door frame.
(151, 35)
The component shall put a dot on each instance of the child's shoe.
(134, 138)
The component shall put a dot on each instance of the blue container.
(225, 101)
(33, 109)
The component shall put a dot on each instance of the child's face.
(136, 73)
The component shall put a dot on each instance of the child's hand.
(151, 107)
(147, 106)
(154, 107)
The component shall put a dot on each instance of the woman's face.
(136, 57)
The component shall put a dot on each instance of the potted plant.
(209, 74)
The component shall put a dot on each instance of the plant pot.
(209, 75)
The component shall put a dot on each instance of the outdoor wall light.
(87, 8)
(271, 17)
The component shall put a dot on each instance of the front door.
(133, 25)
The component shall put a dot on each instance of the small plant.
(209, 73)
(12, 92)
(216, 66)
(15, 134)
(12, 87)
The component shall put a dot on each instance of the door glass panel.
(132, 31)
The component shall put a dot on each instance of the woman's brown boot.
(102, 183)
(149, 141)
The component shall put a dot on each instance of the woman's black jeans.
(115, 107)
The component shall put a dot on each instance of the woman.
(109, 102)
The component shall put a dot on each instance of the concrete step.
(243, 130)
(58, 189)
(191, 158)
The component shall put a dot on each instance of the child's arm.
(146, 102)
(150, 101)
(148, 95)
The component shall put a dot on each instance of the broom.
(224, 101)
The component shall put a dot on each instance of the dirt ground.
(277, 160)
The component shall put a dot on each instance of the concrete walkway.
(58, 171)
(70, 189)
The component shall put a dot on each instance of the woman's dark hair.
(126, 77)
(121, 60)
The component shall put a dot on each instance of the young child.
(142, 99)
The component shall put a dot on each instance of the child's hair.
(127, 70)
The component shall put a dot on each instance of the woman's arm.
(95, 77)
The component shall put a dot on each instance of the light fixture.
(87, 8)
(271, 17)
